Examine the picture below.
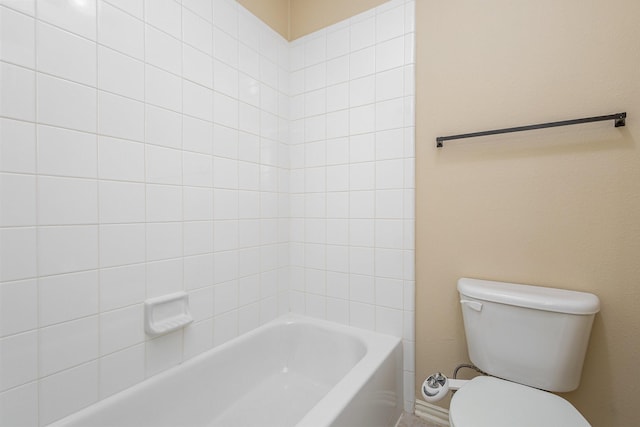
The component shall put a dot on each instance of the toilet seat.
(492, 402)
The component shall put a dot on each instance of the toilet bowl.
(492, 402)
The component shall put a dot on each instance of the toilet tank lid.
(535, 297)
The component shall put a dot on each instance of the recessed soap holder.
(166, 313)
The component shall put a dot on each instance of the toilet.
(531, 340)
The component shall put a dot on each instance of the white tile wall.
(352, 174)
(148, 146)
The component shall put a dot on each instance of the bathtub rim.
(378, 347)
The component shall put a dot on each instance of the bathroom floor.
(410, 420)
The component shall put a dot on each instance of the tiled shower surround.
(154, 146)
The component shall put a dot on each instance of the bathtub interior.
(272, 376)
(304, 364)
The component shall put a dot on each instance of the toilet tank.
(531, 335)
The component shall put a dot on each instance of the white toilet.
(529, 339)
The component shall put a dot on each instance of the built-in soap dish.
(166, 313)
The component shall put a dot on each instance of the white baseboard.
(432, 413)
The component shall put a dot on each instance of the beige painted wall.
(559, 207)
(296, 18)
(308, 16)
(275, 13)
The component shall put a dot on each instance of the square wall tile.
(197, 169)
(120, 31)
(336, 45)
(165, 15)
(164, 203)
(163, 353)
(198, 237)
(19, 355)
(389, 321)
(362, 315)
(363, 34)
(225, 16)
(162, 50)
(66, 104)
(198, 338)
(163, 127)
(201, 8)
(67, 392)
(225, 79)
(390, 54)
(121, 202)
(120, 117)
(66, 55)
(122, 286)
(198, 203)
(18, 206)
(164, 240)
(17, 146)
(19, 406)
(362, 63)
(68, 344)
(121, 370)
(198, 135)
(163, 165)
(19, 253)
(67, 297)
(225, 47)
(18, 38)
(121, 328)
(122, 244)
(65, 249)
(120, 159)
(390, 23)
(18, 89)
(133, 7)
(67, 201)
(197, 66)
(198, 101)
(198, 271)
(76, 18)
(120, 74)
(315, 50)
(19, 307)
(201, 304)
(67, 153)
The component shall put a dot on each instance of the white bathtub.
(293, 371)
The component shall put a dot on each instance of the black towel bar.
(618, 117)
